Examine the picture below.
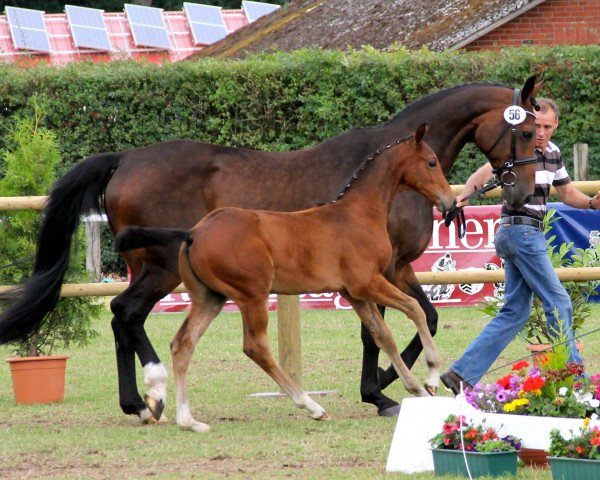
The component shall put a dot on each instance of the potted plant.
(556, 388)
(535, 332)
(576, 456)
(463, 448)
(28, 166)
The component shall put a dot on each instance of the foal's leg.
(382, 335)
(382, 292)
(407, 282)
(255, 315)
(370, 381)
(206, 305)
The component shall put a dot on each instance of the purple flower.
(501, 395)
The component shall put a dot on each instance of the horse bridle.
(503, 175)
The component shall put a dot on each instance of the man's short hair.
(548, 104)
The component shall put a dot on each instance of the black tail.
(139, 237)
(78, 192)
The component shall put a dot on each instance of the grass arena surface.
(87, 436)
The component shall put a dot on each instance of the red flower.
(533, 383)
(520, 366)
(504, 382)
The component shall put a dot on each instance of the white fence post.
(580, 161)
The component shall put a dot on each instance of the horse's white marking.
(145, 415)
(155, 377)
(185, 421)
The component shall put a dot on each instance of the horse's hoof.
(156, 407)
(431, 390)
(197, 427)
(324, 417)
(149, 421)
(390, 411)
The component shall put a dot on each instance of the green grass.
(87, 436)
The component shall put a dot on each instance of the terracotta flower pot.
(534, 457)
(38, 379)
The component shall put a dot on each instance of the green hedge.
(284, 101)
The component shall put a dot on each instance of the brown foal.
(344, 246)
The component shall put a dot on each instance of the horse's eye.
(527, 135)
(432, 163)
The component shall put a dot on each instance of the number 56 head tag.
(515, 114)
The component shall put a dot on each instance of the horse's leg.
(206, 305)
(382, 292)
(407, 282)
(255, 315)
(382, 336)
(130, 310)
(370, 389)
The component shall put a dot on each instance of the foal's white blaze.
(155, 377)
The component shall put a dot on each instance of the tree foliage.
(30, 157)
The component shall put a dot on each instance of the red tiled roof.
(121, 39)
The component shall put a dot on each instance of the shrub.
(29, 158)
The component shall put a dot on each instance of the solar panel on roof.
(147, 26)
(27, 29)
(255, 10)
(206, 21)
(88, 27)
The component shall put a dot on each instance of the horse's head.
(426, 174)
(506, 135)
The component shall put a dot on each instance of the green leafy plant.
(535, 331)
(459, 434)
(29, 160)
(584, 445)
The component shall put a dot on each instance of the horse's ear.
(421, 132)
(531, 88)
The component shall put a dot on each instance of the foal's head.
(424, 172)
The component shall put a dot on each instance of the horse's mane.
(365, 163)
(435, 96)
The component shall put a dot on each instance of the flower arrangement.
(458, 434)
(585, 445)
(556, 388)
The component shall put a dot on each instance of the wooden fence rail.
(424, 278)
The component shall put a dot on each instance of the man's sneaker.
(453, 381)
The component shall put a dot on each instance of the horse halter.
(504, 174)
(507, 177)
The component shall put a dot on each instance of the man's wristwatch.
(591, 206)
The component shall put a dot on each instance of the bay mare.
(160, 184)
(344, 246)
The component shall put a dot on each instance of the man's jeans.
(527, 269)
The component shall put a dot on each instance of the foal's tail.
(131, 238)
(78, 192)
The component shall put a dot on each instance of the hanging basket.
(38, 379)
